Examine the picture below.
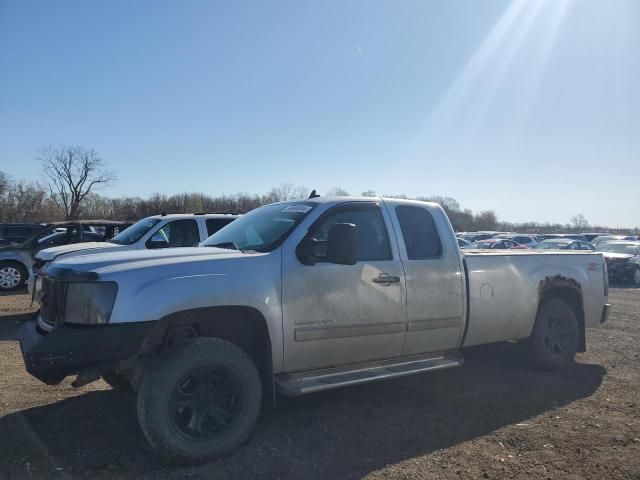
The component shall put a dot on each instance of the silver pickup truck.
(298, 297)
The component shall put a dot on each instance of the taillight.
(605, 279)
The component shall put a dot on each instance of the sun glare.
(473, 92)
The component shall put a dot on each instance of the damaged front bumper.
(73, 349)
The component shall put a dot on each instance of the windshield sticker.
(297, 209)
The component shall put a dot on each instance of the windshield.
(262, 229)
(628, 248)
(135, 232)
(552, 246)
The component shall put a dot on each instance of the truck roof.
(321, 199)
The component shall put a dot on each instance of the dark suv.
(17, 259)
(17, 232)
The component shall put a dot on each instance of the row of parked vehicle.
(621, 252)
(21, 244)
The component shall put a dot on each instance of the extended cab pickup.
(298, 297)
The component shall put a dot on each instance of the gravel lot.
(492, 418)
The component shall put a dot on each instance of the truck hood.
(49, 254)
(118, 261)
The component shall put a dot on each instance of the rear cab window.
(419, 233)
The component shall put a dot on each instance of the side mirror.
(157, 243)
(342, 244)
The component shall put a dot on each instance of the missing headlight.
(90, 303)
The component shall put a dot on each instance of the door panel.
(434, 280)
(339, 314)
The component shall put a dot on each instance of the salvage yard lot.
(492, 418)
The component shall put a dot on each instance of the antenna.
(313, 194)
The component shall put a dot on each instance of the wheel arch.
(243, 326)
(569, 291)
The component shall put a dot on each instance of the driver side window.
(179, 233)
(371, 232)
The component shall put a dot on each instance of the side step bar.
(317, 380)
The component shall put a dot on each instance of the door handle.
(386, 279)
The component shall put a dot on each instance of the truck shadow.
(10, 325)
(624, 286)
(344, 433)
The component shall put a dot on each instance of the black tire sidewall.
(20, 268)
(540, 356)
(161, 378)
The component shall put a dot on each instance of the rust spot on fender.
(557, 281)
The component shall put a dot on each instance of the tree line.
(73, 175)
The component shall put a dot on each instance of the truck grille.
(52, 298)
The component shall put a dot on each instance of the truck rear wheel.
(554, 342)
(200, 400)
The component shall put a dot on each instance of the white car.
(526, 240)
(156, 231)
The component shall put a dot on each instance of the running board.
(317, 380)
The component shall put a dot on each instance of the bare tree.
(337, 192)
(485, 220)
(299, 192)
(579, 222)
(285, 191)
(369, 193)
(72, 173)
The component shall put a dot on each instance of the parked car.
(570, 236)
(528, 241)
(17, 260)
(294, 298)
(17, 232)
(623, 260)
(156, 231)
(613, 238)
(476, 236)
(462, 243)
(494, 243)
(564, 244)
(590, 236)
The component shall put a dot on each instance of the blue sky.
(530, 108)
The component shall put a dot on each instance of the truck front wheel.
(199, 400)
(554, 342)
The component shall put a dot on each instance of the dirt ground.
(492, 418)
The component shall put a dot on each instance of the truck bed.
(504, 289)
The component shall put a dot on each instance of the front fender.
(150, 294)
